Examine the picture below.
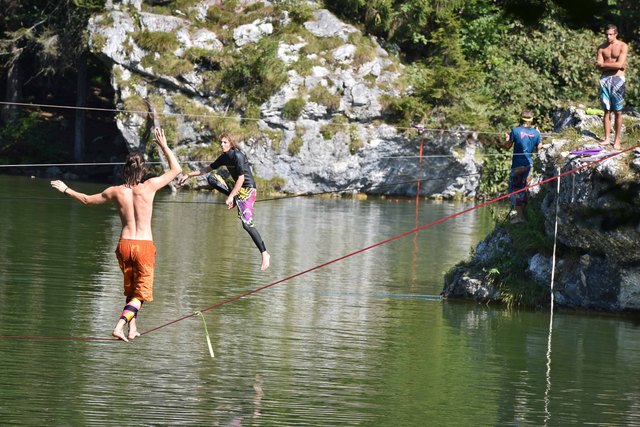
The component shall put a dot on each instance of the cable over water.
(349, 255)
(391, 239)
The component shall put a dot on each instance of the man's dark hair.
(611, 27)
(134, 169)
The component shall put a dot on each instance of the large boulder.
(337, 142)
(597, 215)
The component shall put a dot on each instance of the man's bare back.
(134, 202)
(135, 206)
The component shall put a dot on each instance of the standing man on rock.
(136, 252)
(611, 61)
(525, 140)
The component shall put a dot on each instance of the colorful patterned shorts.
(612, 93)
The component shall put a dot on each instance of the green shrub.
(293, 108)
(328, 131)
(496, 166)
(321, 95)
(270, 186)
(251, 117)
(30, 136)
(355, 142)
(254, 73)
(404, 111)
(295, 145)
(208, 119)
(299, 11)
(156, 41)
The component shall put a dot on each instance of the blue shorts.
(612, 93)
(517, 181)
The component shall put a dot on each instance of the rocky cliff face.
(598, 223)
(334, 140)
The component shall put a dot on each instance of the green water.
(361, 341)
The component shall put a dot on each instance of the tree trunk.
(14, 87)
(81, 102)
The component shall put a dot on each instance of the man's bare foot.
(265, 260)
(605, 143)
(617, 146)
(133, 329)
(118, 333)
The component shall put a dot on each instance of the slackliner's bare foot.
(265, 260)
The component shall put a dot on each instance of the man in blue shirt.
(525, 140)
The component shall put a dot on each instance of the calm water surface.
(362, 341)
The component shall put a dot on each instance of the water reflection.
(363, 341)
(581, 378)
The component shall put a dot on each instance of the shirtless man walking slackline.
(135, 251)
(611, 61)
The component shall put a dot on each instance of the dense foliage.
(480, 62)
(42, 45)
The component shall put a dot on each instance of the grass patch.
(304, 65)
(295, 145)
(338, 123)
(299, 11)
(355, 142)
(323, 96)
(251, 117)
(206, 152)
(365, 49)
(135, 105)
(270, 186)
(321, 46)
(167, 64)
(293, 108)
(209, 120)
(328, 131)
(156, 41)
(99, 41)
(255, 73)
(273, 137)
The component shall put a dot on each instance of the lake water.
(361, 341)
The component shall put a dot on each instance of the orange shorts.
(137, 260)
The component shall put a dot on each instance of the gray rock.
(327, 25)
(344, 53)
(251, 33)
(598, 216)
